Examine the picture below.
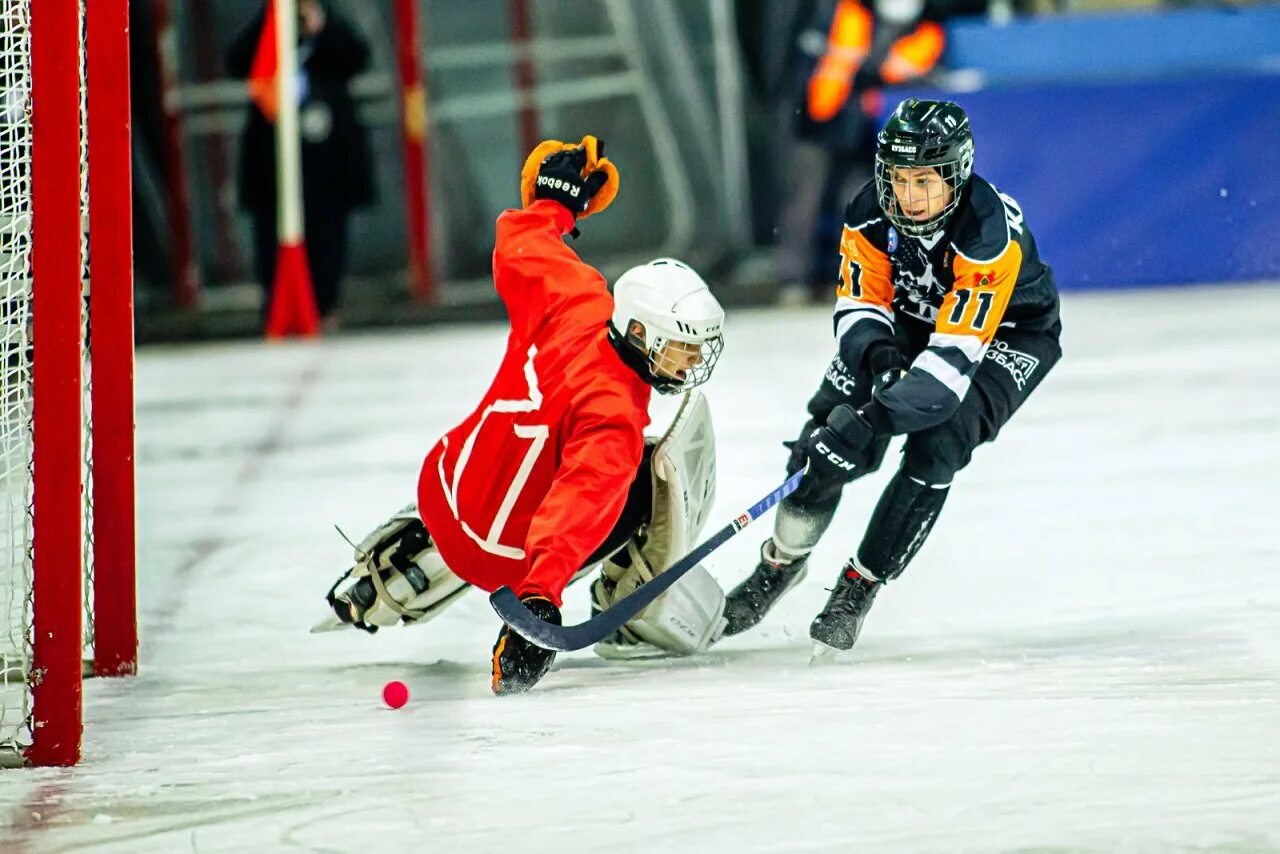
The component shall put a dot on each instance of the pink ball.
(395, 694)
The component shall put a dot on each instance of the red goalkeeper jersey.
(531, 483)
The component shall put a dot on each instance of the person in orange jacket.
(852, 50)
(550, 474)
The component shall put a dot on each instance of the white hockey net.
(16, 351)
(15, 384)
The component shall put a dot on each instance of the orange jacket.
(848, 44)
(530, 484)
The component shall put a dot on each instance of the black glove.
(833, 450)
(560, 179)
(518, 664)
(796, 449)
(886, 363)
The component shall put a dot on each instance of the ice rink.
(1084, 657)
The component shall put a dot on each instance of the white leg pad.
(398, 577)
(689, 617)
(686, 619)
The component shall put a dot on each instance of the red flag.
(262, 75)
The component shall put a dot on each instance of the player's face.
(676, 359)
(921, 192)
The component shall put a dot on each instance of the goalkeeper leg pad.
(398, 577)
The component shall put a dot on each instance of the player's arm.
(863, 321)
(532, 266)
(939, 377)
(601, 455)
(534, 271)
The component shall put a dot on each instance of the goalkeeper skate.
(398, 577)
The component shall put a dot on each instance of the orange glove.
(595, 162)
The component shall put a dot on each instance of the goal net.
(66, 400)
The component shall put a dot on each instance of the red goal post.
(67, 528)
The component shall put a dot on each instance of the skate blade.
(331, 623)
(630, 651)
(822, 654)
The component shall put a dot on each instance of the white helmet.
(666, 325)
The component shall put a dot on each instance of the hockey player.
(939, 276)
(551, 473)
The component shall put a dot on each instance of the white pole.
(288, 142)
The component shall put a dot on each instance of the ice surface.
(1085, 656)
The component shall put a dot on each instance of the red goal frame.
(57, 390)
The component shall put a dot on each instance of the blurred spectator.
(337, 167)
(845, 54)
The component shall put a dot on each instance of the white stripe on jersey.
(938, 368)
(970, 345)
(862, 313)
(847, 303)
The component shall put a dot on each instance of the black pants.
(636, 512)
(326, 231)
(1015, 365)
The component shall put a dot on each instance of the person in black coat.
(337, 166)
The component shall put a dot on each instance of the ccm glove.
(833, 450)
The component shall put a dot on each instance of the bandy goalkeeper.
(552, 474)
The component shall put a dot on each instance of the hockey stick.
(566, 638)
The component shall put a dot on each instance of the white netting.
(15, 382)
(16, 523)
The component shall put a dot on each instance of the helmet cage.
(954, 173)
(663, 359)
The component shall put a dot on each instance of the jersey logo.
(1020, 365)
(838, 375)
(893, 240)
(915, 280)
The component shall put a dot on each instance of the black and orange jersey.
(980, 273)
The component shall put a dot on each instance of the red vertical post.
(186, 276)
(56, 389)
(524, 75)
(414, 130)
(115, 645)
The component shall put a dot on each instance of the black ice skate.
(518, 664)
(747, 604)
(838, 625)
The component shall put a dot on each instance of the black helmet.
(924, 134)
